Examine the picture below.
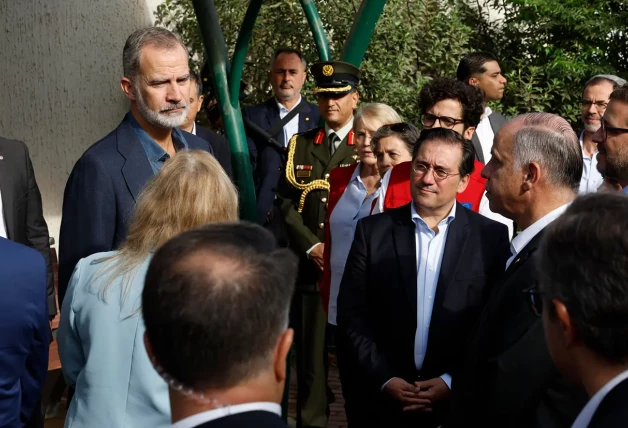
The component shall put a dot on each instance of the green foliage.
(547, 49)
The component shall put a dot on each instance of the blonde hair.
(190, 190)
(381, 112)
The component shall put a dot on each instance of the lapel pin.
(307, 118)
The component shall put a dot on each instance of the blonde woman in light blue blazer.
(101, 329)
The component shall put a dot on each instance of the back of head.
(215, 302)
(382, 113)
(469, 97)
(150, 36)
(549, 140)
(447, 136)
(473, 63)
(583, 263)
(620, 93)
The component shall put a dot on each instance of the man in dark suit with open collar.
(416, 279)
(509, 379)
(21, 215)
(287, 76)
(105, 182)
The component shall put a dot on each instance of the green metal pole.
(241, 47)
(214, 42)
(316, 25)
(360, 35)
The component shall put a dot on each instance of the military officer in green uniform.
(303, 200)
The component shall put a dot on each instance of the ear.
(149, 350)
(473, 81)
(532, 176)
(355, 97)
(127, 87)
(468, 133)
(200, 103)
(463, 183)
(564, 319)
(281, 354)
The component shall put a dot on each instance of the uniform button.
(321, 226)
(429, 297)
(323, 200)
(326, 175)
(279, 169)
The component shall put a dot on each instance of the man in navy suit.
(25, 334)
(287, 76)
(582, 297)
(224, 369)
(219, 144)
(105, 182)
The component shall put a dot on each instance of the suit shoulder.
(195, 142)
(12, 145)
(309, 134)
(13, 252)
(485, 223)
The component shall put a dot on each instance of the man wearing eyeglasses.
(415, 282)
(612, 138)
(583, 299)
(595, 97)
(508, 378)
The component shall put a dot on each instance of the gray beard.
(158, 118)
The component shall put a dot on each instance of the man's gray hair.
(616, 81)
(153, 36)
(549, 140)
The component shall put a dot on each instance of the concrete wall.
(60, 69)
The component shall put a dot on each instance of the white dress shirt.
(3, 228)
(221, 412)
(583, 419)
(485, 134)
(522, 239)
(591, 177)
(351, 207)
(193, 131)
(341, 133)
(430, 247)
(292, 127)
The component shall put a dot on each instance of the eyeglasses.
(599, 105)
(439, 174)
(606, 129)
(447, 122)
(534, 299)
(397, 127)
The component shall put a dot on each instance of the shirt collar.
(193, 128)
(342, 132)
(416, 218)
(522, 239)
(581, 141)
(221, 412)
(283, 109)
(487, 112)
(585, 416)
(154, 151)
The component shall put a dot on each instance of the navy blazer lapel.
(405, 246)
(454, 246)
(305, 118)
(136, 170)
(272, 117)
(7, 182)
(523, 255)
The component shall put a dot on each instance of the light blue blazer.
(102, 352)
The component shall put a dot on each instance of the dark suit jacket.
(497, 121)
(219, 144)
(21, 206)
(253, 419)
(509, 379)
(25, 336)
(100, 196)
(612, 411)
(377, 304)
(269, 161)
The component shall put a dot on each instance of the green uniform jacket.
(307, 170)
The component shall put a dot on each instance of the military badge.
(328, 70)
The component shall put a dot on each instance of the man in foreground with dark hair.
(216, 306)
(612, 139)
(583, 267)
(416, 279)
(482, 70)
(508, 378)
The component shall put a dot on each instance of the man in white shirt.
(583, 299)
(595, 98)
(482, 70)
(612, 139)
(216, 305)
(508, 378)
